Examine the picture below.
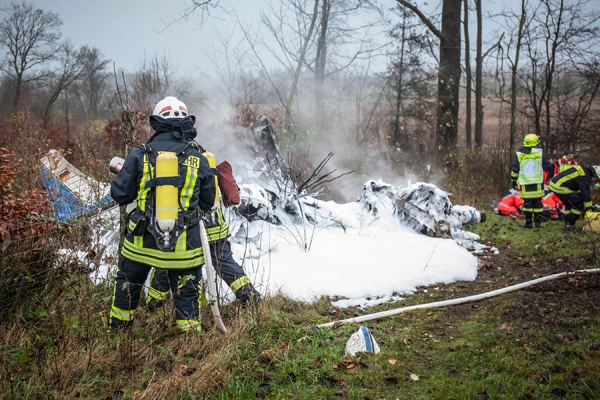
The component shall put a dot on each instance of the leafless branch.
(203, 6)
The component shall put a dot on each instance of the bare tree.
(317, 36)
(409, 83)
(575, 124)
(321, 61)
(479, 78)
(93, 81)
(513, 82)
(448, 72)
(557, 33)
(30, 37)
(295, 47)
(468, 75)
(193, 8)
(339, 44)
(229, 59)
(58, 80)
(155, 80)
(584, 128)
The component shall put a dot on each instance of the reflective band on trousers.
(187, 324)
(120, 314)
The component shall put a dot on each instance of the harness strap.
(165, 180)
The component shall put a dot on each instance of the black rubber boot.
(569, 227)
(537, 220)
(570, 220)
(116, 325)
(248, 295)
(528, 220)
(154, 304)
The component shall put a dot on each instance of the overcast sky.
(128, 31)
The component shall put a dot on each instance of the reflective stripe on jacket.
(565, 182)
(219, 231)
(575, 180)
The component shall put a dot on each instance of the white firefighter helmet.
(596, 169)
(170, 107)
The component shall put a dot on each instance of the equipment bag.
(228, 185)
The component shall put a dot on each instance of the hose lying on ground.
(476, 297)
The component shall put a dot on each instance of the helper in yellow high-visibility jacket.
(154, 238)
(527, 171)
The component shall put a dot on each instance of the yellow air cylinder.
(212, 162)
(167, 196)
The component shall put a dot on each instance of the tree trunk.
(479, 79)
(127, 130)
(320, 63)
(467, 76)
(513, 83)
(449, 77)
(399, 97)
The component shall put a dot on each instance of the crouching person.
(169, 180)
(572, 186)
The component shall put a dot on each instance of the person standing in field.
(527, 171)
(218, 233)
(167, 173)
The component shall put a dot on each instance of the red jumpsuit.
(511, 204)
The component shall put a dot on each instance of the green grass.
(528, 344)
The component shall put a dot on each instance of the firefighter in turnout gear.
(527, 171)
(572, 186)
(218, 233)
(162, 231)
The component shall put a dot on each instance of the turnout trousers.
(574, 206)
(129, 283)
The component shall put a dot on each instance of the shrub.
(28, 238)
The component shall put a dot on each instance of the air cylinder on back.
(167, 196)
(212, 162)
